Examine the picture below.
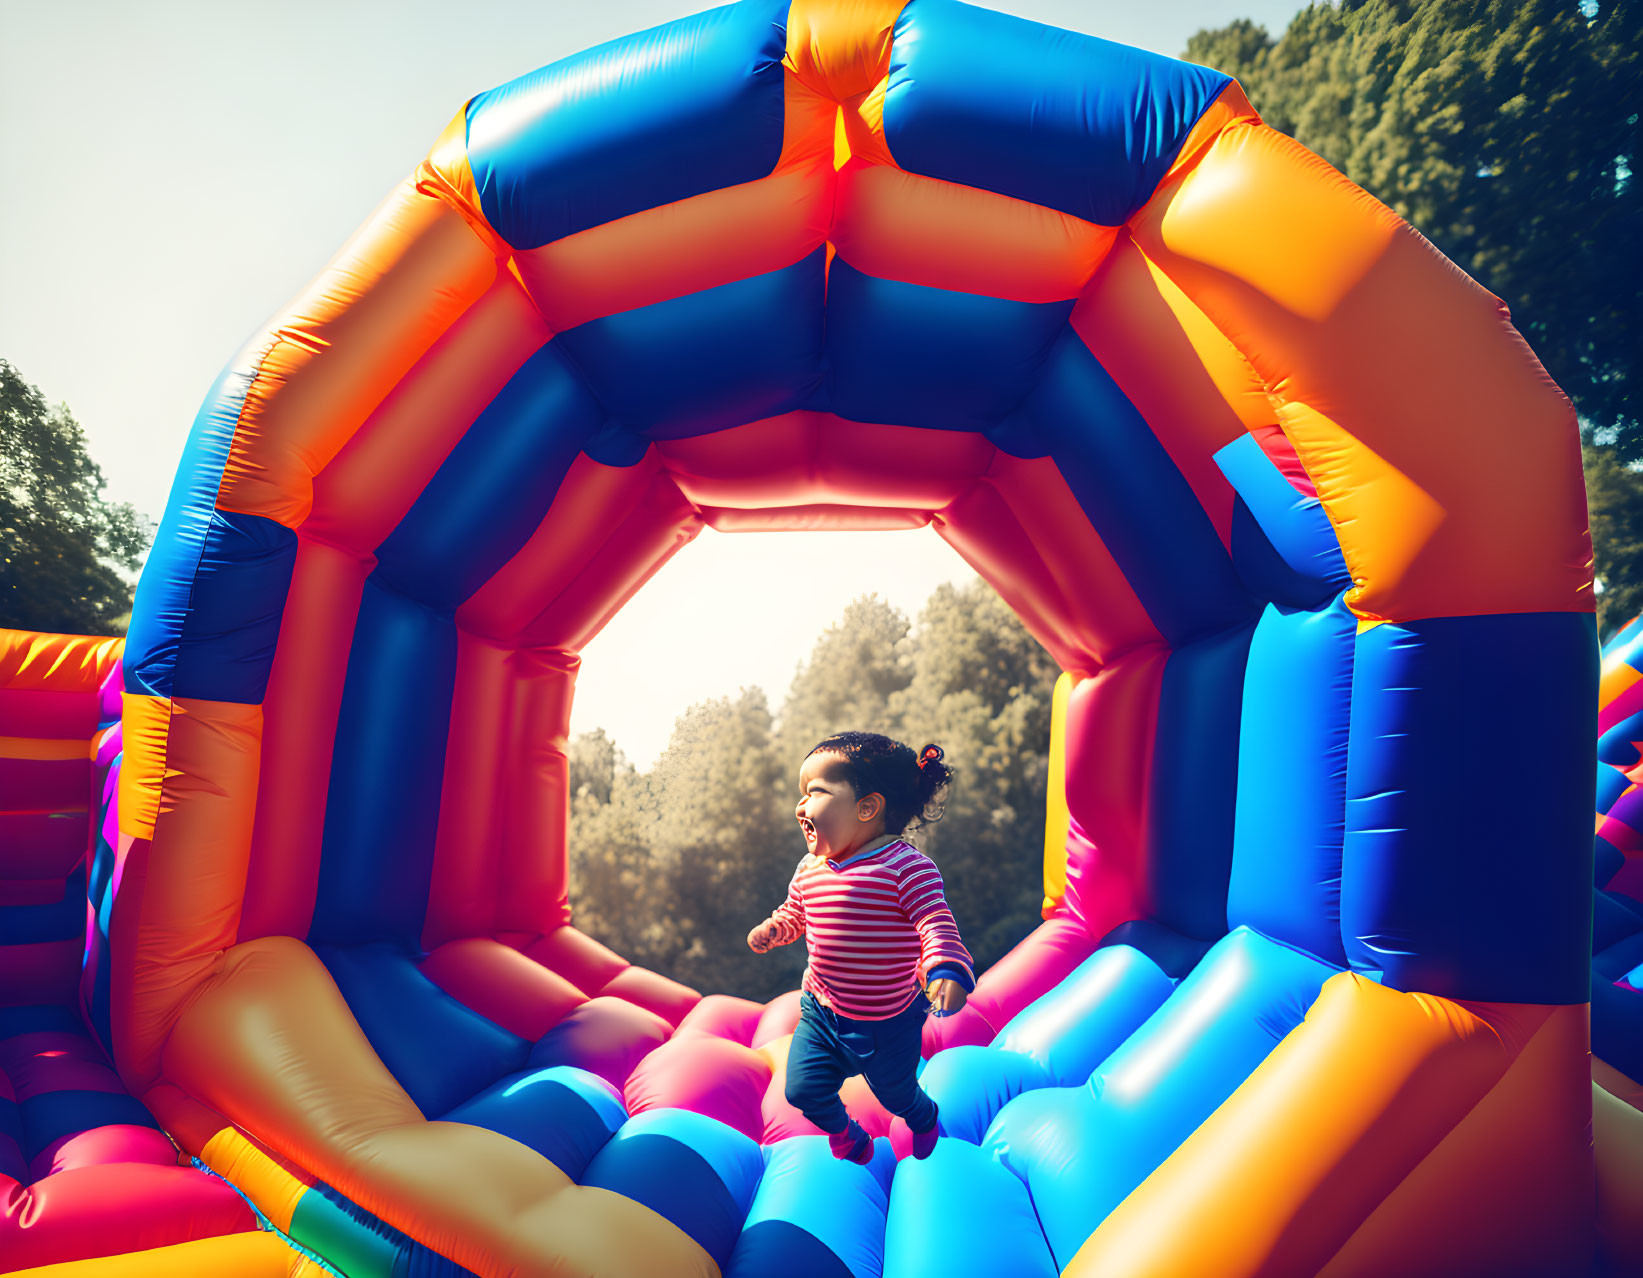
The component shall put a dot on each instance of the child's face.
(835, 822)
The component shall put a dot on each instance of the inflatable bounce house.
(1291, 503)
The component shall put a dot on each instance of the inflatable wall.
(1283, 492)
(86, 1174)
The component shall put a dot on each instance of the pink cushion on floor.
(723, 1016)
(503, 985)
(118, 1143)
(781, 1017)
(655, 993)
(705, 1075)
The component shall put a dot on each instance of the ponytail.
(934, 775)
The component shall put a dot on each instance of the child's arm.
(942, 956)
(786, 925)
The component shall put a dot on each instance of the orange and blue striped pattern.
(85, 1171)
(1200, 410)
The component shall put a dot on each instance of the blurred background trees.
(66, 555)
(672, 867)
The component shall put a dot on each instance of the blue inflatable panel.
(1607, 861)
(1617, 1027)
(676, 111)
(971, 1084)
(1061, 119)
(1612, 922)
(1136, 500)
(1071, 1029)
(1173, 954)
(441, 1051)
(59, 920)
(1618, 959)
(192, 574)
(694, 1170)
(617, 444)
(958, 1214)
(491, 493)
(387, 768)
(910, 355)
(565, 1114)
(1194, 785)
(1288, 524)
(226, 648)
(1082, 1150)
(1459, 898)
(1286, 863)
(1264, 574)
(1611, 784)
(47, 1117)
(814, 1216)
(699, 363)
(35, 1018)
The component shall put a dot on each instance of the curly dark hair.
(909, 782)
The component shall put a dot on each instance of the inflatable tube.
(86, 1174)
(1281, 490)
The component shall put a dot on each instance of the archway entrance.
(1204, 415)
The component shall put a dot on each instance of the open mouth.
(808, 828)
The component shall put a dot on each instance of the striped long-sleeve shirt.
(876, 924)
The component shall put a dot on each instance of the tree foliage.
(1614, 496)
(672, 867)
(853, 671)
(62, 547)
(982, 688)
(1504, 130)
(664, 864)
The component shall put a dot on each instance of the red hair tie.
(930, 752)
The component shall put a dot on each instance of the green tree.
(1614, 496)
(724, 842)
(62, 548)
(846, 685)
(614, 893)
(1507, 132)
(594, 761)
(672, 867)
(981, 688)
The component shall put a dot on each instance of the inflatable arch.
(1280, 488)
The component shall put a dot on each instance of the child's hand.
(762, 937)
(946, 996)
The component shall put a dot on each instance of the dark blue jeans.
(829, 1048)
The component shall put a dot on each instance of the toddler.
(878, 928)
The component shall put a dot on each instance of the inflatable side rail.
(88, 1181)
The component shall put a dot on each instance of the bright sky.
(177, 171)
